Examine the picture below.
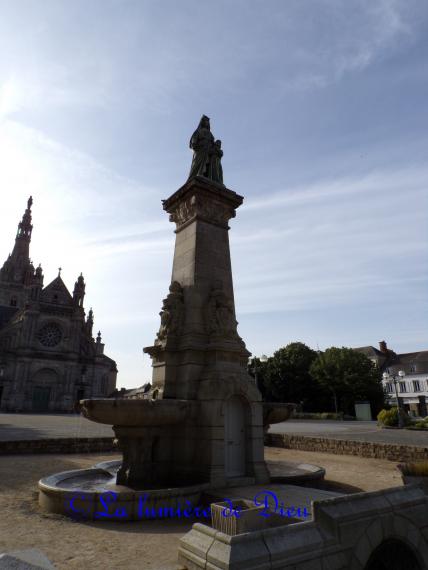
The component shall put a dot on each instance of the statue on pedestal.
(207, 153)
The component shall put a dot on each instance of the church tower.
(48, 356)
(18, 276)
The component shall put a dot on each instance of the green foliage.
(348, 376)
(321, 416)
(390, 417)
(421, 424)
(285, 376)
(333, 380)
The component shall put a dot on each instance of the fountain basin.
(276, 412)
(135, 413)
(91, 494)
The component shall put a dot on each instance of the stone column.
(198, 353)
(198, 323)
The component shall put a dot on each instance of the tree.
(285, 376)
(348, 376)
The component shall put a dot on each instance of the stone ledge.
(391, 452)
(58, 445)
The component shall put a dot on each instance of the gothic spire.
(79, 291)
(25, 227)
(18, 266)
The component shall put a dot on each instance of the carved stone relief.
(172, 314)
(197, 206)
(221, 320)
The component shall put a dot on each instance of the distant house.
(48, 357)
(140, 393)
(412, 389)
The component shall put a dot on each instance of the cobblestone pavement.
(361, 431)
(14, 427)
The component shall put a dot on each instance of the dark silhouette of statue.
(207, 153)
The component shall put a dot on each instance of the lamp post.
(395, 379)
(253, 360)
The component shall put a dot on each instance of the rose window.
(49, 335)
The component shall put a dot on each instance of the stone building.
(48, 356)
(412, 388)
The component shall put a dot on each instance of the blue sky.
(322, 110)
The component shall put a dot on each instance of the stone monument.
(201, 424)
(198, 354)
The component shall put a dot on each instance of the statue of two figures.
(207, 153)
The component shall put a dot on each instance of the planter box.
(249, 517)
(416, 480)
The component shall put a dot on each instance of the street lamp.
(395, 379)
(253, 360)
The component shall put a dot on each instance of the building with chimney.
(48, 357)
(412, 386)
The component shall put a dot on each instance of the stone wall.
(380, 529)
(69, 445)
(347, 447)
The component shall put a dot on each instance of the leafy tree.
(285, 376)
(348, 376)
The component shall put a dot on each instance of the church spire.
(21, 250)
(79, 291)
(18, 266)
(25, 227)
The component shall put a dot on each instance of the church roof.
(57, 292)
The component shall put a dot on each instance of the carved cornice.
(203, 200)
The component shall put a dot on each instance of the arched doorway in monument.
(235, 440)
(43, 383)
(393, 554)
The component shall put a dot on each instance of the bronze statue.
(207, 153)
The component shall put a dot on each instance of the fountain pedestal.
(201, 424)
(198, 354)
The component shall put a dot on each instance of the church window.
(13, 301)
(50, 335)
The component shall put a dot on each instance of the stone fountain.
(201, 425)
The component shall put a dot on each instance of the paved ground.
(362, 431)
(15, 427)
(40, 426)
(150, 545)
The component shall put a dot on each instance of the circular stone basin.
(276, 412)
(91, 494)
(135, 412)
(293, 473)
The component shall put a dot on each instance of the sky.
(321, 106)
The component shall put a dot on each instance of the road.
(15, 427)
(361, 431)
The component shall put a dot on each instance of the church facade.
(48, 357)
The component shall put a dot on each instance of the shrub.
(390, 417)
(420, 424)
(419, 469)
(320, 416)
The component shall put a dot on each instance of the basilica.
(49, 359)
